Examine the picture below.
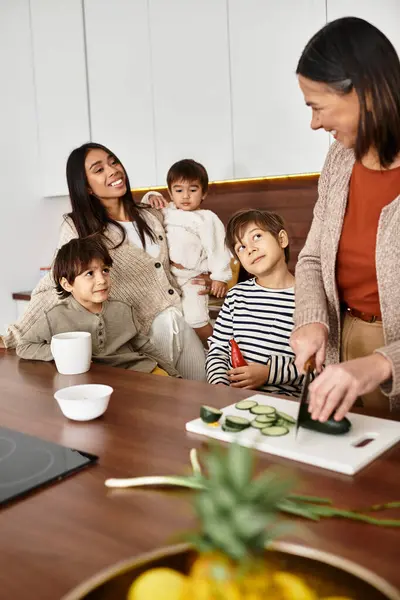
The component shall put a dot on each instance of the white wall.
(29, 222)
(384, 14)
(211, 80)
(120, 84)
(271, 131)
(62, 111)
(191, 78)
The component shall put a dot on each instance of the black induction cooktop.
(28, 463)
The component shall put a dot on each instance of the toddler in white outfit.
(196, 241)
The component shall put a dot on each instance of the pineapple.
(238, 516)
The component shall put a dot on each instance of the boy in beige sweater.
(82, 274)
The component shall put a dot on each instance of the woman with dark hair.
(102, 204)
(347, 276)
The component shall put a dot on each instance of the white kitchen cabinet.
(60, 84)
(158, 81)
(191, 84)
(384, 14)
(271, 130)
(120, 84)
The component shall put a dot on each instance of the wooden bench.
(293, 197)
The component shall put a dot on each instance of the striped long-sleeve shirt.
(261, 321)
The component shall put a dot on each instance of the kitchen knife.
(303, 415)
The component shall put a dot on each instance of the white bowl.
(84, 402)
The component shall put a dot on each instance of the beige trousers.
(361, 339)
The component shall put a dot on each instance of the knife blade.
(303, 415)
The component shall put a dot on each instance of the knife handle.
(309, 365)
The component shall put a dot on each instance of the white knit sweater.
(196, 240)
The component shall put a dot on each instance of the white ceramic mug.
(72, 352)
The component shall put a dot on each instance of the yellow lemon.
(293, 587)
(210, 590)
(337, 598)
(212, 566)
(162, 583)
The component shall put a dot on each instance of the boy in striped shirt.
(257, 313)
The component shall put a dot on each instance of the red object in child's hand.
(236, 356)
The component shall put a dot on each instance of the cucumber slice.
(266, 418)
(286, 417)
(267, 425)
(238, 423)
(258, 425)
(209, 414)
(282, 423)
(275, 431)
(246, 404)
(229, 429)
(262, 409)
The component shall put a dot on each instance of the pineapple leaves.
(239, 465)
(224, 498)
(206, 508)
(216, 467)
(200, 542)
(269, 488)
(223, 537)
(237, 513)
(249, 523)
(280, 529)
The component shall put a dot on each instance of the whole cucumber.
(330, 426)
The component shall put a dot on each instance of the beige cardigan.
(137, 279)
(317, 299)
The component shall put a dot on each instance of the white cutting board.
(334, 452)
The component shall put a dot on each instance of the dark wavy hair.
(88, 213)
(264, 219)
(188, 170)
(74, 258)
(348, 54)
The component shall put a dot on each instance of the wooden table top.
(54, 539)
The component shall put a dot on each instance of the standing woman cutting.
(348, 273)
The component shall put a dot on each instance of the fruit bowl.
(327, 574)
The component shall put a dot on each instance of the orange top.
(370, 191)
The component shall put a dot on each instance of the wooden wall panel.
(293, 198)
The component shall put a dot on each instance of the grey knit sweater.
(317, 299)
(114, 332)
(141, 281)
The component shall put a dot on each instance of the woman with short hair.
(347, 276)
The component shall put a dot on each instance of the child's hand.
(205, 281)
(157, 201)
(251, 377)
(218, 289)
